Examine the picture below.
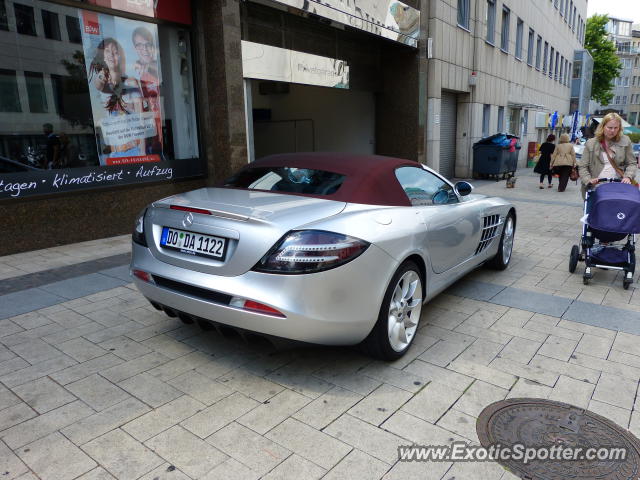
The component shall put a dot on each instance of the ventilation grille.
(197, 292)
(490, 230)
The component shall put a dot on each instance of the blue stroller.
(612, 218)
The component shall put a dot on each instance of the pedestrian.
(609, 154)
(543, 167)
(52, 156)
(563, 160)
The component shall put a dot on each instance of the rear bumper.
(335, 307)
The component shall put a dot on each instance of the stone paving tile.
(520, 350)
(380, 404)
(132, 368)
(459, 423)
(605, 317)
(327, 407)
(160, 419)
(81, 349)
(475, 471)
(257, 452)
(545, 324)
(200, 387)
(291, 378)
(398, 378)
(572, 370)
(68, 318)
(82, 370)
(98, 473)
(594, 346)
(615, 390)
(487, 334)
(626, 343)
(168, 346)
(121, 455)
(349, 380)
(93, 426)
(575, 392)
(10, 338)
(443, 352)
(12, 466)
(527, 371)
(16, 303)
(608, 366)
(14, 415)
(529, 389)
(488, 374)
(531, 301)
(418, 471)
(39, 370)
(42, 425)
(433, 373)
(177, 366)
(624, 358)
(56, 458)
(558, 348)
(621, 416)
(44, 394)
(150, 390)
(482, 352)
(190, 454)
(97, 392)
(274, 411)
(418, 431)
(7, 398)
(432, 401)
(31, 320)
(478, 396)
(9, 366)
(125, 348)
(165, 471)
(219, 414)
(357, 464)
(62, 335)
(320, 448)
(230, 469)
(295, 467)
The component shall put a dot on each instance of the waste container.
(495, 156)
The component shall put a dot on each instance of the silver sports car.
(325, 248)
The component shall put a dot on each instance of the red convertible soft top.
(369, 179)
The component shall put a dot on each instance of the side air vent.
(490, 231)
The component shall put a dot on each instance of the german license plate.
(194, 243)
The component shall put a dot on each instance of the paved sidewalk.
(96, 384)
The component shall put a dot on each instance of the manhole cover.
(564, 441)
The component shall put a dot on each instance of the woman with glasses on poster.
(119, 95)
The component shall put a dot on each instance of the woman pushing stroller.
(607, 155)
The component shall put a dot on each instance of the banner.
(123, 71)
(172, 10)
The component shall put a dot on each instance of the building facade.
(106, 105)
(634, 106)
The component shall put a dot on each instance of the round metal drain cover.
(545, 440)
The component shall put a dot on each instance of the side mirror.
(463, 188)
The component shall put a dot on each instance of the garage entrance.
(288, 117)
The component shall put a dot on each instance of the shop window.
(73, 29)
(51, 25)
(4, 23)
(25, 20)
(9, 97)
(117, 93)
(35, 92)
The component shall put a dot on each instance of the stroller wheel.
(585, 280)
(573, 258)
(625, 284)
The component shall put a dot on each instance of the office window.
(463, 13)
(573, 21)
(519, 33)
(555, 3)
(486, 118)
(561, 75)
(73, 29)
(500, 119)
(566, 11)
(35, 92)
(617, 99)
(544, 57)
(538, 52)
(551, 63)
(25, 20)
(9, 97)
(504, 39)
(530, 47)
(4, 23)
(624, 99)
(51, 25)
(555, 66)
(491, 21)
(561, 7)
(570, 69)
(626, 81)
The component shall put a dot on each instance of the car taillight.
(309, 251)
(254, 306)
(138, 229)
(142, 275)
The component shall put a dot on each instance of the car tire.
(399, 315)
(505, 249)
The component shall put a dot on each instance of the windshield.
(287, 179)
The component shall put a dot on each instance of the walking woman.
(608, 155)
(543, 167)
(563, 160)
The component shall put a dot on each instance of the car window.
(287, 179)
(425, 188)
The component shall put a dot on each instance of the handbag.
(613, 164)
(573, 176)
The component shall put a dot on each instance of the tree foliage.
(606, 65)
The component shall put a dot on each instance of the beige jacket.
(563, 156)
(591, 163)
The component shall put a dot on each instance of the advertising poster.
(123, 71)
